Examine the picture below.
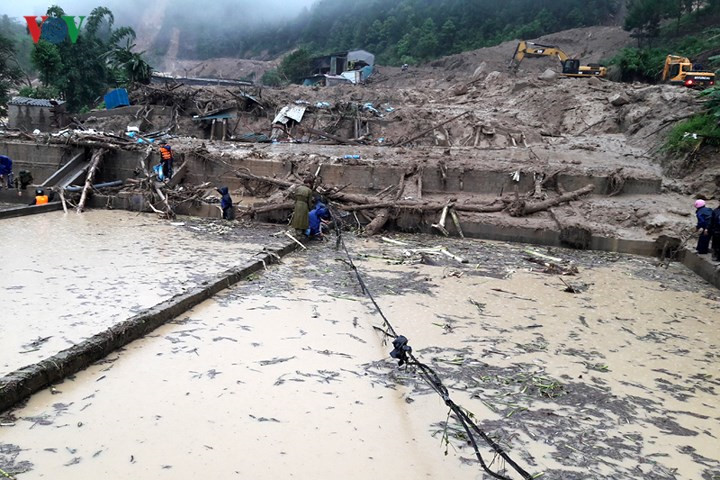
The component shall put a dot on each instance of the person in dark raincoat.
(315, 220)
(226, 204)
(715, 230)
(704, 215)
(6, 173)
(303, 202)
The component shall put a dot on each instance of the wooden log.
(425, 206)
(341, 140)
(456, 221)
(441, 223)
(425, 132)
(94, 162)
(168, 209)
(178, 175)
(378, 222)
(265, 208)
(521, 208)
(273, 181)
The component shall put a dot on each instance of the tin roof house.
(354, 66)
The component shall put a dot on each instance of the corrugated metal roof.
(35, 102)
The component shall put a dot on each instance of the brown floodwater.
(66, 277)
(286, 375)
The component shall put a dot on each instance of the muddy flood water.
(288, 375)
(67, 277)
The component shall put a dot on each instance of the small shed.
(354, 65)
(42, 114)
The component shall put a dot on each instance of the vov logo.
(53, 29)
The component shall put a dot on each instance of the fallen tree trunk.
(94, 162)
(273, 181)
(378, 222)
(252, 211)
(520, 208)
(425, 132)
(422, 206)
(345, 141)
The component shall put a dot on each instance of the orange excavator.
(681, 71)
(570, 66)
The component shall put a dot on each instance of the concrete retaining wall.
(43, 160)
(24, 210)
(22, 383)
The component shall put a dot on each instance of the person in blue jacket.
(317, 216)
(704, 216)
(715, 234)
(226, 204)
(6, 171)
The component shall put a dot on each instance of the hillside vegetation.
(409, 31)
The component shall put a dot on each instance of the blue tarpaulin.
(117, 98)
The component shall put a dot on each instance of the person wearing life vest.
(40, 197)
(166, 161)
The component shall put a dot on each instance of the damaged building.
(31, 114)
(353, 66)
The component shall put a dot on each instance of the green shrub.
(271, 78)
(687, 135)
(39, 92)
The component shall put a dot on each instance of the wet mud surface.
(286, 374)
(67, 277)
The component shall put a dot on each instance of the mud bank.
(616, 381)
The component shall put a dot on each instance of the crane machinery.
(681, 71)
(570, 66)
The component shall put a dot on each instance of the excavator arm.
(570, 67)
(531, 49)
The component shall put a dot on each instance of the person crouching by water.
(303, 201)
(704, 215)
(317, 219)
(226, 204)
(40, 197)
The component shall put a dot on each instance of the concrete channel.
(217, 307)
(268, 374)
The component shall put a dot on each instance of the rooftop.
(35, 102)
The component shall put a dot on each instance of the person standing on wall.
(166, 161)
(704, 215)
(715, 233)
(6, 172)
(303, 202)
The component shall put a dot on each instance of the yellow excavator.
(681, 71)
(570, 66)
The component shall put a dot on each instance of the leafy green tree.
(46, 59)
(102, 57)
(10, 72)
(427, 42)
(295, 66)
(447, 36)
(271, 78)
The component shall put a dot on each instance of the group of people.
(708, 227)
(311, 215)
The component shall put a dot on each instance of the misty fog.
(134, 12)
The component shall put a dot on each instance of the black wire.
(432, 378)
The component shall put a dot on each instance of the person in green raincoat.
(303, 204)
